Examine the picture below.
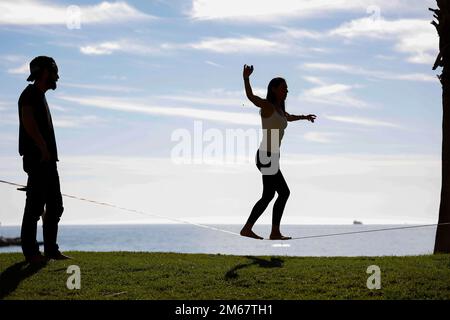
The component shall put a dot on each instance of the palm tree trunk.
(442, 243)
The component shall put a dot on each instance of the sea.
(321, 240)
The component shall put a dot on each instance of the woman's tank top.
(273, 131)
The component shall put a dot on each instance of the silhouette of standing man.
(37, 145)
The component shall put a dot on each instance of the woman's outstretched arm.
(291, 117)
(257, 101)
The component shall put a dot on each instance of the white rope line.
(227, 231)
(373, 230)
(134, 211)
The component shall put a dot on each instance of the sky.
(141, 79)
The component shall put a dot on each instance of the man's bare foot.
(250, 234)
(279, 236)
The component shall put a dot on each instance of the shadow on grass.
(13, 275)
(272, 263)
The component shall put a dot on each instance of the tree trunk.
(442, 243)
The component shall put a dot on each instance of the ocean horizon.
(185, 238)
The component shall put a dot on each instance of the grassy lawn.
(127, 275)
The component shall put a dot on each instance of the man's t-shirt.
(35, 98)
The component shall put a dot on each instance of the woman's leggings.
(271, 183)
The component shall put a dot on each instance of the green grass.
(127, 275)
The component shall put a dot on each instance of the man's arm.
(32, 129)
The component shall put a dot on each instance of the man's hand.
(248, 70)
(31, 127)
(45, 154)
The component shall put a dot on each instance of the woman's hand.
(248, 70)
(291, 117)
(311, 117)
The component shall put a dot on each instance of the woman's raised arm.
(257, 101)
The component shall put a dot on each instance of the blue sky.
(136, 71)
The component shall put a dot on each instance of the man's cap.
(40, 63)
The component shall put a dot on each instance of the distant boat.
(357, 222)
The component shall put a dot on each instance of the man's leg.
(53, 211)
(34, 206)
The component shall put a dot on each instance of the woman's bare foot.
(278, 236)
(249, 233)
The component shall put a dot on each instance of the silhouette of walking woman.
(274, 119)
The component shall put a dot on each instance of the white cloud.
(13, 58)
(114, 77)
(363, 121)
(332, 94)
(22, 69)
(320, 137)
(61, 120)
(264, 10)
(293, 33)
(99, 87)
(213, 100)
(104, 48)
(385, 57)
(240, 118)
(34, 12)
(240, 45)
(329, 89)
(314, 80)
(58, 108)
(76, 121)
(214, 97)
(125, 46)
(422, 47)
(415, 37)
(112, 12)
(350, 69)
(378, 28)
(214, 64)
